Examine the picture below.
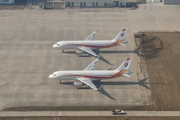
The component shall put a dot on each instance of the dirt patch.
(149, 45)
(162, 54)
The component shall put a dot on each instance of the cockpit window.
(57, 44)
(54, 74)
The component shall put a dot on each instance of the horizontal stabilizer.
(126, 75)
(122, 44)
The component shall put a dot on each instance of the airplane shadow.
(99, 84)
(102, 91)
(135, 51)
(98, 51)
(87, 55)
(141, 83)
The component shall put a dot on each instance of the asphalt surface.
(88, 113)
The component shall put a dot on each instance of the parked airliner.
(87, 45)
(87, 76)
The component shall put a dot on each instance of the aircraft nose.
(55, 46)
(51, 76)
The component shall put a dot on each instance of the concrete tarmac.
(27, 57)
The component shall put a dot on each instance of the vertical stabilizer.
(125, 65)
(121, 35)
(121, 38)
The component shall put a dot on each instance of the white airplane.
(87, 76)
(87, 45)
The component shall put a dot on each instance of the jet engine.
(78, 84)
(79, 52)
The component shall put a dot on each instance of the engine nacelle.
(79, 52)
(78, 84)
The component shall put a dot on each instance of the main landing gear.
(60, 81)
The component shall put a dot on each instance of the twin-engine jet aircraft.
(87, 45)
(87, 76)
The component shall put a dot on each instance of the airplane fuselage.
(99, 44)
(93, 75)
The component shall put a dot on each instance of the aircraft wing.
(91, 36)
(91, 65)
(88, 82)
(88, 50)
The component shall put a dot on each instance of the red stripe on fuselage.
(107, 46)
(88, 76)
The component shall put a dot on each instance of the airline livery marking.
(107, 46)
(88, 76)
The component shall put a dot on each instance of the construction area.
(150, 46)
(161, 52)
